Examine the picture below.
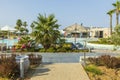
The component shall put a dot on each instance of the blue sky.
(68, 12)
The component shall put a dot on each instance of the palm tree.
(32, 26)
(22, 30)
(18, 24)
(26, 30)
(45, 30)
(117, 10)
(110, 14)
(117, 29)
(25, 25)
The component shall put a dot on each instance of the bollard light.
(22, 68)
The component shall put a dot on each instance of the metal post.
(85, 54)
(8, 40)
(84, 58)
(75, 32)
(22, 68)
(2, 43)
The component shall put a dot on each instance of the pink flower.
(23, 46)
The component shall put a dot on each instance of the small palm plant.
(46, 30)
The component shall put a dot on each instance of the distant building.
(100, 32)
(80, 31)
(76, 30)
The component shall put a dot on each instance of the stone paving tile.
(60, 71)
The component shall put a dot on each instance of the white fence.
(101, 46)
(80, 40)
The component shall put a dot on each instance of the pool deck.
(60, 71)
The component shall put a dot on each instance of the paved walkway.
(60, 71)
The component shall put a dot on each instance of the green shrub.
(75, 50)
(42, 50)
(103, 41)
(96, 42)
(61, 50)
(67, 46)
(51, 50)
(93, 69)
(32, 49)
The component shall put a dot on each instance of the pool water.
(9, 42)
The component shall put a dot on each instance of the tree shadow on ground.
(38, 71)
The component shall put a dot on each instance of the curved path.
(60, 71)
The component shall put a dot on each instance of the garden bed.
(9, 68)
(103, 68)
(108, 74)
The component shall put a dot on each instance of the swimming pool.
(9, 42)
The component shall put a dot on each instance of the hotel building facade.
(80, 31)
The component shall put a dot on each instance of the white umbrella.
(7, 28)
(62, 32)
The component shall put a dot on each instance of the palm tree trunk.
(110, 24)
(117, 18)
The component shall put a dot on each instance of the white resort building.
(80, 31)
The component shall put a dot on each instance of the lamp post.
(2, 43)
(85, 42)
(75, 32)
(8, 37)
